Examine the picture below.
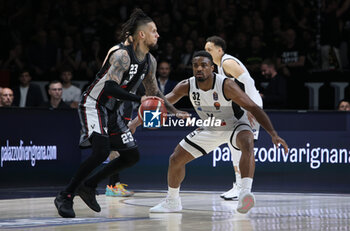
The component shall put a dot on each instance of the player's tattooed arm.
(120, 62)
(151, 86)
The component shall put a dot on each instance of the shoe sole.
(86, 202)
(111, 194)
(168, 211)
(230, 198)
(119, 195)
(62, 214)
(248, 203)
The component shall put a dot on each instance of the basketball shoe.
(64, 205)
(246, 201)
(88, 195)
(169, 205)
(232, 194)
(118, 191)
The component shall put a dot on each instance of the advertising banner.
(318, 159)
(38, 146)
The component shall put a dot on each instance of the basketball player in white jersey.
(231, 67)
(215, 96)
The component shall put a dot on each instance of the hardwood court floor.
(202, 211)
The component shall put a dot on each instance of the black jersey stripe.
(237, 110)
(234, 133)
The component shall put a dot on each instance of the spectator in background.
(27, 94)
(0, 96)
(68, 55)
(344, 105)
(185, 64)
(55, 95)
(246, 25)
(240, 50)
(165, 84)
(93, 59)
(70, 93)
(343, 13)
(91, 25)
(275, 94)
(274, 37)
(15, 61)
(291, 63)
(291, 56)
(42, 57)
(220, 26)
(165, 29)
(168, 54)
(6, 98)
(330, 35)
(259, 27)
(191, 16)
(178, 44)
(255, 56)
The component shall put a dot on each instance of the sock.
(247, 183)
(238, 179)
(114, 179)
(173, 192)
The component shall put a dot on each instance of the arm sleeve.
(111, 88)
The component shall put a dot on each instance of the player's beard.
(153, 47)
(201, 79)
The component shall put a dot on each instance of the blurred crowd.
(48, 37)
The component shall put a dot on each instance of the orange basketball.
(153, 106)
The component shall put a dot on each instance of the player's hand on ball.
(144, 98)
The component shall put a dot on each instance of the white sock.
(238, 179)
(247, 183)
(173, 192)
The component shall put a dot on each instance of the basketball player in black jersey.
(124, 68)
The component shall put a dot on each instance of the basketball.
(153, 105)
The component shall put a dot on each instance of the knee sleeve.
(100, 147)
(130, 157)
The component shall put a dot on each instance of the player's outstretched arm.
(179, 91)
(233, 91)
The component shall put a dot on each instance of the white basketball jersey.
(247, 80)
(212, 103)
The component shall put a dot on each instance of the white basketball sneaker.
(169, 205)
(222, 195)
(233, 193)
(246, 201)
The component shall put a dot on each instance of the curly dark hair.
(137, 18)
